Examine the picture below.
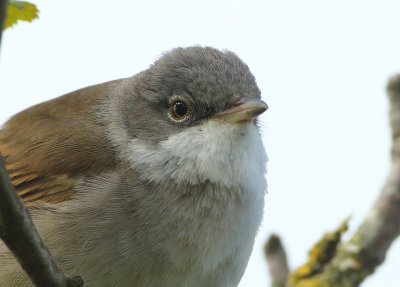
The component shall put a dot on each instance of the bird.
(158, 179)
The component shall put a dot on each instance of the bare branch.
(352, 261)
(277, 262)
(366, 249)
(382, 224)
(21, 237)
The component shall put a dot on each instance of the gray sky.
(322, 67)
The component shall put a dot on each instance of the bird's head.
(194, 108)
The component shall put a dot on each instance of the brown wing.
(50, 147)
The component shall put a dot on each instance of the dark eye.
(179, 110)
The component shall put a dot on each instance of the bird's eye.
(179, 110)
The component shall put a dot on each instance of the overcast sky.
(322, 67)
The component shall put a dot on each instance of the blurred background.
(322, 67)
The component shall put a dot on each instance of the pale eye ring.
(179, 110)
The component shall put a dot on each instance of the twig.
(366, 249)
(382, 224)
(277, 262)
(357, 258)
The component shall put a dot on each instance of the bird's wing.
(49, 148)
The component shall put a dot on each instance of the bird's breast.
(195, 199)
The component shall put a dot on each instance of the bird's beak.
(245, 110)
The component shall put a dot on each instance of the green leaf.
(20, 10)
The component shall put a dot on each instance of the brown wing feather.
(50, 147)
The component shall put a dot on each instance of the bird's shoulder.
(50, 147)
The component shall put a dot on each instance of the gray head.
(186, 87)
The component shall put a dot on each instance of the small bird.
(153, 180)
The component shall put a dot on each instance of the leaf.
(20, 10)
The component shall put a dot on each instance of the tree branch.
(366, 249)
(382, 223)
(349, 263)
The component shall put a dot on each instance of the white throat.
(230, 155)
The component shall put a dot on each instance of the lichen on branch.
(333, 263)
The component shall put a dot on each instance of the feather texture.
(49, 147)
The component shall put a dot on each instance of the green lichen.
(313, 272)
(332, 263)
